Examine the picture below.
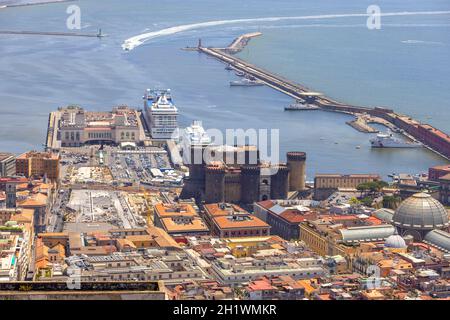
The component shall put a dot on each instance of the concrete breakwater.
(432, 138)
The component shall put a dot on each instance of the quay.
(432, 138)
(240, 42)
(361, 125)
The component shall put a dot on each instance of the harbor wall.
(432, 138)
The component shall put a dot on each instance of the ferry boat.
(246, 83)
(387, 140)
(298, 105)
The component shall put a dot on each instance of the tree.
(372, 187)
(367, 201)
(354, 202)
(391, 201)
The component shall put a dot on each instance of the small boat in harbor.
(246, 83)
(299, 105)
(240, 73)
(229, 67)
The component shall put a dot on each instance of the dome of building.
(421, 212)
(395, 241)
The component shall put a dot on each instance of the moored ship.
(246, 83)
(387, 140)
(299, 105)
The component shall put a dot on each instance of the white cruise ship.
(194, 135)
(161, 114)
(387, 140)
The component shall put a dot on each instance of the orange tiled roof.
(166, 210)
(215, 210)
(227, 222)
(37, 200)
(194, 225)
(259, 285)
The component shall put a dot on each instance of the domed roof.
(421, 212)
(395, 241)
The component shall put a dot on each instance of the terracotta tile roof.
(267, 204)
(215, 210)
(230, 222)
(166, 210)
(37, 200)
(259, 285)
(195, 224)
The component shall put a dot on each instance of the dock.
(432, 138)
(361, 125)
(240, 42)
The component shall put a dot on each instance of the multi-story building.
(228, 221)
(38, 164)
(340, 235)
(284, 216)
(434, 138)
(57, 290)
(435, 173)
(7, 164)
(231, 270)
(39, 204)
(326, 184)
(161, 114)
(200, 290)
(173, 267)
(179, 219)
(444, 189)
(279, 287)
(16, 238)
(78, 127)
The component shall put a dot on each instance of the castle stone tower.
(280, 182)
(250, 179)
(215, 183)
(296, 162)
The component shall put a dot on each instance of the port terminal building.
(73, 126)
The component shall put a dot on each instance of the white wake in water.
(133, 42)
(421, 42)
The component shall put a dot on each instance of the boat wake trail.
(133, 42)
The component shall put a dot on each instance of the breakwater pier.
(432, 138)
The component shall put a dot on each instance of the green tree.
(367, 201)
(354, 202)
